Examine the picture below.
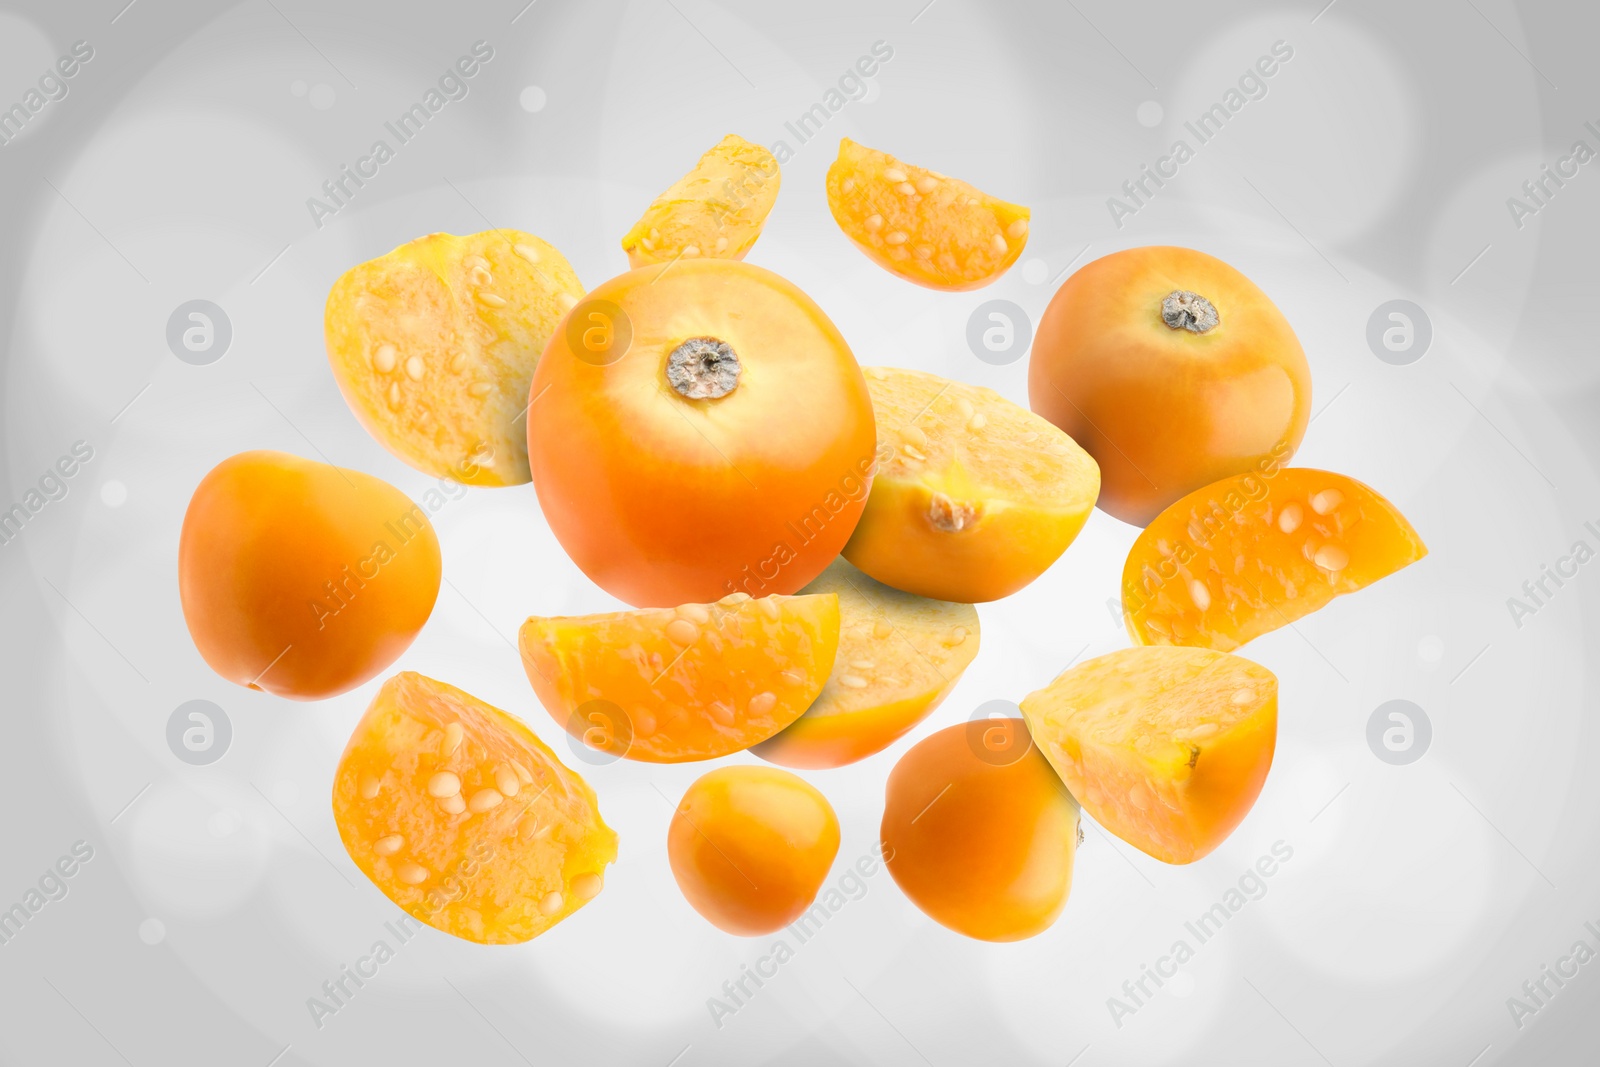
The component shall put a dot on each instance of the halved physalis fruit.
(899, 657)
(919, 224)
(464, 818)
(716, 210)
(434, 345)
(977, 496)
(671, 685)
(1248, 554)
(1165, 747)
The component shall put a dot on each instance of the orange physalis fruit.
(919, 224)
(899, 657)
(750, 846)
(1165, 747)
(716, 210)
(670, 685)
(434, 344)
(1249, 554)
(974, 496)
(464, 818)
(978, 831)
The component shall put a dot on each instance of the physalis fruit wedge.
(671, 685)
(899, 657)
(715, 211)
(1165, 747)
(464, 818)
(974, 496)
(1248, 554)
(434, 345)
(936, 231)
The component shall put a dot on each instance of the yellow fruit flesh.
(899, 657)
(715, 211)
(977, 497)
(464, 818)
(669, 685)
(434, 346)
(1165, 747)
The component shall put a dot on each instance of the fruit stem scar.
(1183, 310)
(703, 368)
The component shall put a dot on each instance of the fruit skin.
(953, 237)
(663, 500)
(1165, 747)
(303, 579)
(750, 846)
(666, 685)
(1165, 411)
(715, 210)
(497, 874)
(960, 510)
(474, 313)
(899, 656)
(1262, 550)
(978, 831)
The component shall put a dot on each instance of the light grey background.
(1419, 896)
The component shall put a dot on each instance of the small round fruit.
(1173, 370)
(300, 578)
(750, 847)
(979, 832)
(707, 432)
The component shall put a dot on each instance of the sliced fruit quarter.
(464, 818)
(899, 657)
(715, 211)
(974, 496)
(1165, 747)
(1249, 554)
(670, 685)
(931, 229)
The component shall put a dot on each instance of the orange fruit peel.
(715, 211)
(462, 817)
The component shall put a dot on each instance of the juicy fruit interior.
(464, 818)
(668, 685)
(1249, 554)
(974, 496)
(1165, 747)
(434, 346)
(938, 231)
(899, 657)
(715, 210)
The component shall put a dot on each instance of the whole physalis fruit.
(1248, 554)
(464, 818)
(700, 430)
(716, 210)
(974, 496)
(1165, 747)
(670, 685)
(750, 847)
(303, 579)
(919, 224)
(978, 831)
(434, 344)
(899, 656)
(1174, 371)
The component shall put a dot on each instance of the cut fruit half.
(670, 685)
(1249, 554)
(715, 211)
(1165, 747)
(974, 496)
(464, 818)
(899, 657)
(917, 223)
